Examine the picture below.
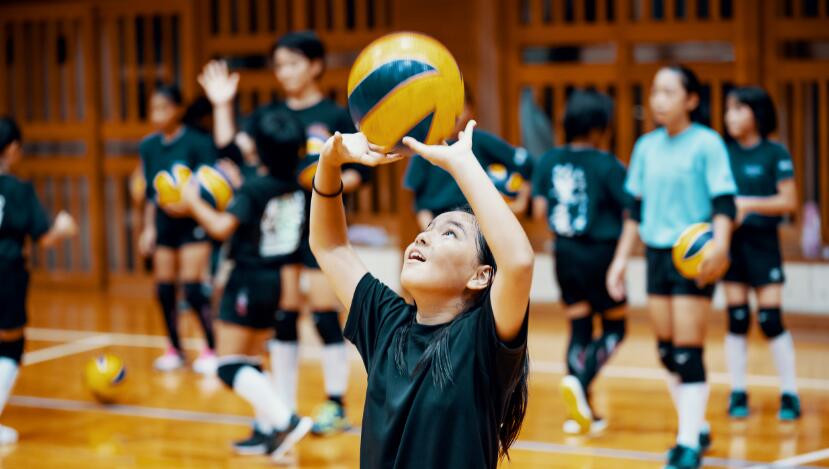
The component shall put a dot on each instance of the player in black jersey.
(766, 192)
(22, 217)
(180, 248)
(263, 234)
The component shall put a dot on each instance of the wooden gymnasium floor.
(182, 420)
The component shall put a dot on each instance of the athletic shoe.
(171, 360)
(789, 407)
(207, 363)
(571, 427)
(704, 439)
(256, 443)
(280, 442)
(576, 402)
(330, 419)
(8, 435)
(683, 457)
(738, 405)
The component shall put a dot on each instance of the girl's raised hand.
(341, 149)
(445, 155)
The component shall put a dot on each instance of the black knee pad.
(328, 326)
(166, 295)
(613, 333)
(739, 319)
(12, 349)
(285, 326)
(689, 364)
(229, 367)
(666, 354)
(771, 322)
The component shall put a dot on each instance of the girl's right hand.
(615, 281)
(146, 242)
(341, 149)
(219, 84)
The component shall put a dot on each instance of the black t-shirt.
(757, 171)
(435, 189)
(409, 421)
(190, 147)
(271, 216)
(585, 192)
(21, 215)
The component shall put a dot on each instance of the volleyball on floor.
(405, 84)
(104, 376)
(507, 182)
(691, 248)
(168, 184)
(216, 188)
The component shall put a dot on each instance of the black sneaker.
(704, 440)
(789, 407)
(280, 442)
(256, 443)
(683, 457)
(738, 405)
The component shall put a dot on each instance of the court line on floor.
(241, 420)
(314, 352)
(63, 350)
(804, 458)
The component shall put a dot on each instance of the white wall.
(806, 290)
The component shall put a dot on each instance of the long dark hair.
(761, 105)
(436, 356)
(692, 85)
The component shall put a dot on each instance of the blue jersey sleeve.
(783, 165)
(634, 183)
(718, 175)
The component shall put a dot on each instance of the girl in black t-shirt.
(260, 243)
(447, 376)
(766, 191)
(21, 217)
(179, 248)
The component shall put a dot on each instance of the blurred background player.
(263, 234)
(299, 62)
(766, 191)
(21, 217)
(679, 175)
(179, 246)
(435, 191)
(579, 190)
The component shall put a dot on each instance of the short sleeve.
(783, 165)
(38, 219)
(145, 154)
(241, 206)
(372, 305)
(541, 176)
(504, 362)
(634, 183)
(718, 175)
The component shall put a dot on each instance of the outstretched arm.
(220, 86)
(513, 253)
(219, 225)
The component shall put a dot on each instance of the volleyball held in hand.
(507, 182)
(216, 188)
(168, 184)
(691, 248)
(405, 84)
(104, 377)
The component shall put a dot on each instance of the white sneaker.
(8, 435)
(206, 364)
(571, 427)
(171, 360)
(576, 402)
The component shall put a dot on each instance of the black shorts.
(14, 287)
(755, 257)
(664, 279)
(581, 270)
(251, 297)
(176, 232)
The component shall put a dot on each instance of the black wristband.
(327, 196)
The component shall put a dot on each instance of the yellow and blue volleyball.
(506, 181)
(168, 184)
(405, 84)
(104, 376)
(691, 248)
(216, 188)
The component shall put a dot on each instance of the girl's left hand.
(713, 266)
(445, 156)
(341, 149)
(190, 192)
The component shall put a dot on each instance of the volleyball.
(405, 84)
(507, 182)
(168, 184)
(104, 376)
(691, 247)
(216, 188)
